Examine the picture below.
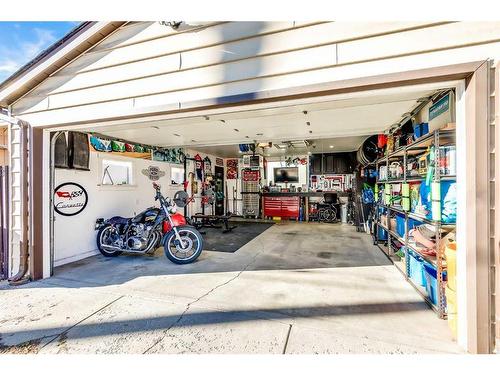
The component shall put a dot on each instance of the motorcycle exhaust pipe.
(109, 247)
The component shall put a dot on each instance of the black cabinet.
(328, 163)
(316, 164)
(332, 163)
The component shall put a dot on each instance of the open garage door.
(290, 162)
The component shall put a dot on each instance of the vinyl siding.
(4, 160)
(145, 65)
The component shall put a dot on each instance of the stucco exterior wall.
(146, 66)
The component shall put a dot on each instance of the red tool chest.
(281, 206)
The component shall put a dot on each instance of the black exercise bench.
(212, 221)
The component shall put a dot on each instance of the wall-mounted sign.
(70, 199)
(440, 107)
(153, 173)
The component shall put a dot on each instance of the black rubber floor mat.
(215, 240)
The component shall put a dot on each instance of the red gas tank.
(177, 218)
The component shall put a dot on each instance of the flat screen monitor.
(287, 174)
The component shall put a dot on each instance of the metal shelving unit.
(438, 138)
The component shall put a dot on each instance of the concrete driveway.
(296, 288)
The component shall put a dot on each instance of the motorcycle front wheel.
(189, 251)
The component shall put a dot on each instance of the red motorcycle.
(150, 229)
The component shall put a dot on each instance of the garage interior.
(291, 205)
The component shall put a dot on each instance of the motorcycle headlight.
(172, 209)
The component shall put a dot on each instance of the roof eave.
(67, 49)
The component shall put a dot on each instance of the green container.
(387, 190)
(436, 200)
(405, 193)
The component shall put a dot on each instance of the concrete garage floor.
(297, 288)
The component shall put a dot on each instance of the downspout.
(20, 277)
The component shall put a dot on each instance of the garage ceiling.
(316, 146)
(350, 118)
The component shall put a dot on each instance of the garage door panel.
(242, 70)
(297, 38)
(61, 83)
(417, 41)
(186, 40)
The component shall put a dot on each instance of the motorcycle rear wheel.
(193, 243)
(100, 238)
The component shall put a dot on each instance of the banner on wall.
(207, 166)
(126, 149)
(232, 169)
(169, 155)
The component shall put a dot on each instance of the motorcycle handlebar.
(160, 197)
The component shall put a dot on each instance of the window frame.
(119, 160)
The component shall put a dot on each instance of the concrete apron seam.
(287, 338)
(188, 306)
(81, 321)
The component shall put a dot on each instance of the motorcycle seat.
(119, 220)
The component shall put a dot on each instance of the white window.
(177, 175)
(116, 172)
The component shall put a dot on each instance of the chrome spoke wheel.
(188, 247)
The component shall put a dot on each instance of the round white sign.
(70, 199)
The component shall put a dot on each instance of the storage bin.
(412, 223)
(400, 225)
(417, 273)
(431, 283)
(382, 234)
(448, 193)
(420, 130)
(451, 307)
(450, 252)
(383, 220)
(392, 221)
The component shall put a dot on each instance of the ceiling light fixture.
(310, 131)
(236, 130)
(304, 112)
(308, 123)
(331, 146)
(223, 121)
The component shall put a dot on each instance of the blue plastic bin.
(412, 223)
(431, 282)
(417, 272)
(382, 234)
(420, 130)
(400, 225)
